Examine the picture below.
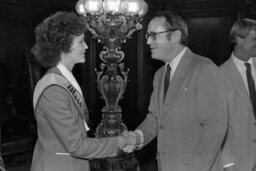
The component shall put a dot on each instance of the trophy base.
(125, 162)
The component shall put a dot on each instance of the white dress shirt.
(174, 63)
(70, 77)
(242, 69)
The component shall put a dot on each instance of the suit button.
(161, 127)
(254, 140)
(254, 124)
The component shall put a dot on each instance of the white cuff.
(141, 136)
(63, 154)
(228, 165)
(86, 126)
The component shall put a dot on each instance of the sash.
(56, 79)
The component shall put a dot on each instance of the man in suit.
(190, 118)
(239, 70)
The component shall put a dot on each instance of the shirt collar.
(239, 63)
(174, 63)
(69, 76)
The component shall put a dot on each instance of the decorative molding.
(197, 1)
(48, 3)
(30, 11)
(214, 12)
(198, 5)
(184, 1)
(21, 13)
(252, 4)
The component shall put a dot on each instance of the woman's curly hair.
(55, 35)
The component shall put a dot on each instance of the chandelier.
(112, 22)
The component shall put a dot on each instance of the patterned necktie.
(167, 79)
(251, 86)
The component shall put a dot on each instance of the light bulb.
(93, 6)
(131, 6)
(144, 8)
(112, 6)
(80, 8)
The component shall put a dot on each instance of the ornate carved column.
(112, 22)
(252, 4)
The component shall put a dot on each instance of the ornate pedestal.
(127, 162)
(111, 82)
(112, 22)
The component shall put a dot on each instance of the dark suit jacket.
(61, 131)
(241, 137)
(191, 122)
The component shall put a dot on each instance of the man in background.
(239, 70)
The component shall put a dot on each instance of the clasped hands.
(131, 141)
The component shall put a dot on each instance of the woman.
(60, 110)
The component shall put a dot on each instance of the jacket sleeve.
(61, 114)
(150, 124)
(227, 156)
(211, 109)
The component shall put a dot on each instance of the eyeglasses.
(153, 34)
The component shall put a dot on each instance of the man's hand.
(132, 141)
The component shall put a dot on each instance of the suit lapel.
(160, 90)
(178, 76)
(236, 78)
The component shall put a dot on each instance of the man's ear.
(176, 36)
(239, 39)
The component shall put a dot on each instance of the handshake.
(129, 141)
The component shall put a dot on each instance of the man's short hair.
(174, 21)
(241, 28)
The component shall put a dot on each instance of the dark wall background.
(209, 22)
